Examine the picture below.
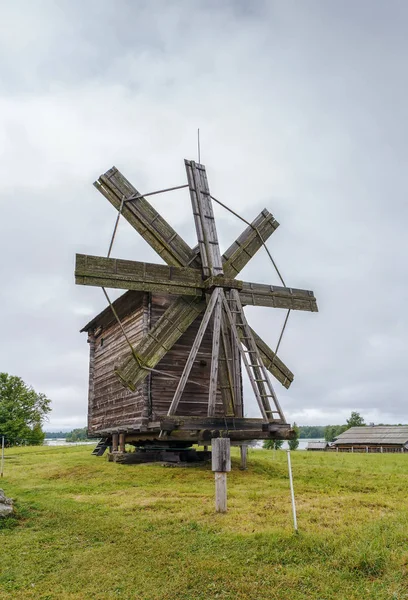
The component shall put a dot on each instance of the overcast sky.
(302, 108)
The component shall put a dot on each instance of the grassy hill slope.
(89, 529)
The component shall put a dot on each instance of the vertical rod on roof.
(2, 456)
(292, 493)
(198, 146)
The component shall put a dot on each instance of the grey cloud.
(301, 109)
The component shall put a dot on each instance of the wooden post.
(244, 454)
(121, 442)
(2, 456)
(292, 493)
(115, 438)
(221, 465)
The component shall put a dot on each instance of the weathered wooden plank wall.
(111, 404)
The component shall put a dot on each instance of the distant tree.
(311, 431)
(77, 435)
(331, 432)
(273, 444)
(293, 444)
(355, 420)
(22, 411)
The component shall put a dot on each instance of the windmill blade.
(184, 310)
(149, 277)
(132, 275)
(272, 362)
(204, 219)
(259, 294)
(146, 220)
(248, 243)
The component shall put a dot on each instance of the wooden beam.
(259, 294)
(248, 243)
(190, 423)
(149, 277)
(204, 219)
(236, 368)
(133, 275)
(212, 394)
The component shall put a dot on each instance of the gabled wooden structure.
(166, 357)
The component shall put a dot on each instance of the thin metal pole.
(2, 456)
(292, 493)
(198, 146)
(170, 189)
(116, 226)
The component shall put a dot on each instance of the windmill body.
(166, 358)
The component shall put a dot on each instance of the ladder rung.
(261, 380)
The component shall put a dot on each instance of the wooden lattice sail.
(166, 357)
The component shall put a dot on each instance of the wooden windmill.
(149, 383)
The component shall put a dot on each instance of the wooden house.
(317, 446)
(377, 438)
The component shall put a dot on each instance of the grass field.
(89, 529)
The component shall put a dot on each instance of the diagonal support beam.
(212, 394)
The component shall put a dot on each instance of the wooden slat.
(204, 219)
(259, 294)
(248, 243)
(133, 275)
(236, 369)
(212, 394)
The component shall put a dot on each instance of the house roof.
(381, 434)
(317, 445)
(123, 305)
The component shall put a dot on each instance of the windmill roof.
(381, 434)
(317, 445)
(123, 305)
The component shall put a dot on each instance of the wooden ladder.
(257, 373)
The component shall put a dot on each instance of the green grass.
(89, 529)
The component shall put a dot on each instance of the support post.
(292, 493)
(221, 465)
(121, 442)
(2, 456)
(115, 439)
(244, 455)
